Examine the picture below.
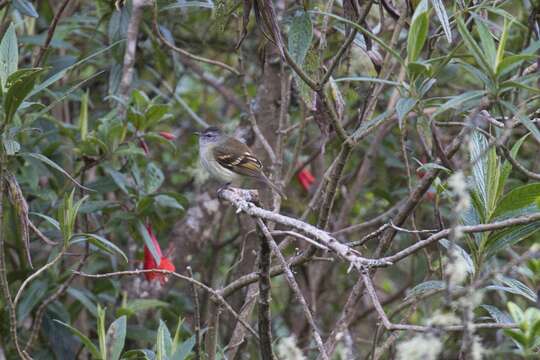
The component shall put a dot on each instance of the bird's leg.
(223, 187)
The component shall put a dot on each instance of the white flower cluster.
(286, 349)
(420, 347)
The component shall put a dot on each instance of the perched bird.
(229, 160)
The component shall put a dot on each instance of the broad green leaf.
(156, 253)
(299, 43)
(153, 178)
(520, 201)
(19, 85)
(116, 337)
(88, 344)
(499, 316)
(101, 243)
(183, 351)
(54, 165)
(168, 201)
(507, 165)
(9, 55)
(25, 7)
(510, 60)
(515, 312)
(476, 51)
(403, 107)
(300, 36)
(418, 32)
(139, 354)
(515, 287)
(486, 42)
(163, 342)
(440, 10)
(504, 238)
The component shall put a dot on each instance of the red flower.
(305, 178)
(167, 135)
(149, 262)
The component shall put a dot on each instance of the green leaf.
(507, 165)
(418, 32)
(25, 7)
(19, 85)
(156, 253)
(116, 337)
(425, 287)
(473, 47)
(119, 179)
(49, 219)
(300, 36)
(403, 107)
(9, 55)
(504, 238)
(102, 336)
(457, 101)
(60, 74)
(518, 202)
(168, 201)
(154, 114)
(508, 61)
(153, 178)
(515, 312)
(101, 243)
(499, 316)
(89, 345)
(486, 42)
(438, 5)
(34, 295)
(502, 44)
(163, 342)
(55, 166)
(83, 117)
(183, 351)
(85, 298)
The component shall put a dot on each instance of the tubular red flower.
(305, 178)
(167, 135)
(150, 263)
(142, 145)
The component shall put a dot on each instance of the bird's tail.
(265, 179)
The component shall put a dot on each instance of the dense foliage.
(405, 135)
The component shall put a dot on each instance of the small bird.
(229, 160)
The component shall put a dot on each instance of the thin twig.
(197, 313)
(265, 318)
(242, 200)
(217, 297)
(50, 33)
(294, 287)
(187, 53)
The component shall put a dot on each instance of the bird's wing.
(243, 162)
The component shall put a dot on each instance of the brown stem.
(265, 319)
(50, 33)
